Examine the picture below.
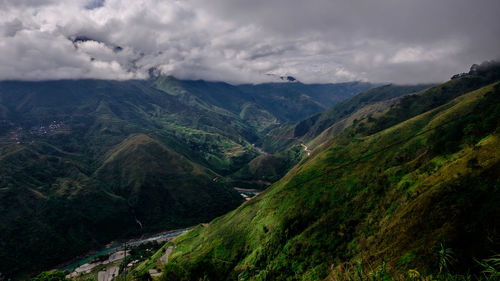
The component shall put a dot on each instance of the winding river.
(158, 237)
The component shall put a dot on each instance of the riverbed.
(160, 237)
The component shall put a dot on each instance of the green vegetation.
(285, 141)
(267, 168)
(330, 122)
(152, 262)
(360, 272)
(414, 189)
(165, 176)
(402, 183)
(296, 101)
(85, 162)
(50, 276)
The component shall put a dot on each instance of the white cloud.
(242, 41)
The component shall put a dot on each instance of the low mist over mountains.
(323, 140)
(231, 40)
(354, 172)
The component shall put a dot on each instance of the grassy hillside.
(82, 160)
(266, 168)
(381, 196)
(361, 105)
(287, 140)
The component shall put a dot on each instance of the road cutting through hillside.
(306, 149)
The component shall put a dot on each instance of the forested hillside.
(84, 162)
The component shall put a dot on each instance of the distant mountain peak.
(285, 78)
(288, 78)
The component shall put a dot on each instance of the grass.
(392, 196)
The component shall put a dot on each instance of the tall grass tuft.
(491, 268)
(445, 260)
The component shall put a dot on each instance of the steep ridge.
(378, 194)
(169, 190)
(287, 141)
(373, 100)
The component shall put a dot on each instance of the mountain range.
(404, 190)
(359, 181)
(85, 162)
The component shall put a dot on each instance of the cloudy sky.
(402, 41)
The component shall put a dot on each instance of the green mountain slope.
(267, 168)
(168, 188)
(106, 112)
(337, 117)
(83, 144)
(374, 194)
(276, 102)
(81, 161)
(288, 140)
(283, 99)
(52, 208)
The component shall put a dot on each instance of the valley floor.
(117, 251)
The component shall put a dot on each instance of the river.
(131, 243)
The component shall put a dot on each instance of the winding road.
(306, 149)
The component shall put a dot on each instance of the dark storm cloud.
(242, 41)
